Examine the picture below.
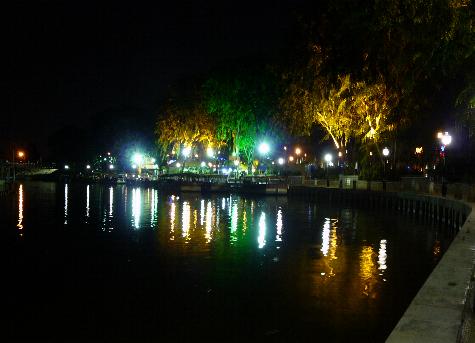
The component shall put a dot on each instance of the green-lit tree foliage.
(242, 107)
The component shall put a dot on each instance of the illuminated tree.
(242, 106)
(184, 125)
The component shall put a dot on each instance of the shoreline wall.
(443, 308)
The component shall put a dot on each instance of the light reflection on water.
(335, 256)
(20, 209)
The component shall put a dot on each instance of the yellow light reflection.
(244, 222)
(20, 209)
(209, 224)
(261, 239)
(278, 237)
(136, 207)
(326, 237)
(202, 212)
(65, 203)
(367, 270)
(382, 256)
(172, 221)
(185, 221)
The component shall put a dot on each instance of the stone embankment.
(443, 309)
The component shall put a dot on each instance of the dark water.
(92, 263)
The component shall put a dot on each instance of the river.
(96, 263)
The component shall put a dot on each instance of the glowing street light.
(111, 166)
(385, 154)
(446, 139)
(137, 158)
(328, 158)
(21, 154)
(186, 151)
(88, 166)
(66, 167)
(298, 151)
(210, 152)
(264, 148)
(280, 160)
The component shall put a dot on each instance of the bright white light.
(66, 167)
(264, 148)
(134, 166)
(210, 164)
(178, 165)
(153, 160)
(203, 164)
(281, 160)
(385, 151)
(111, 166)
(88, 167)
(446, 139)
(137, 158)
(186, 151)
(236, 162)
(210, 152)
(328, 158)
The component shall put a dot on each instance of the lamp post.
(264, 149)
(328, 159)
(445, 139)
(385, 154)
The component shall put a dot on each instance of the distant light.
(186, 151)
(203, 164)
(385, 151)
(236, 163)
(196, 155)
(285, 148)
(291, 158)
(109, 153)
(111, 166)
(134, 166)
(440, 135)
(88, 167)
(21, 154)
(210, 164)
(66, 167)
(178, 165)
(298, 151)
(264, 148)
(340, 154)
(446, 139)
(153, 160)
(419, 150)
(280, 160)
(328, 158)
(225, 171)
(137, 158)
(210, 152)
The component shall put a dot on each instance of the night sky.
(69, 60)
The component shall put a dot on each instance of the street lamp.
(264, 148)
(445, 139)
(328, 159)
(385, 154)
